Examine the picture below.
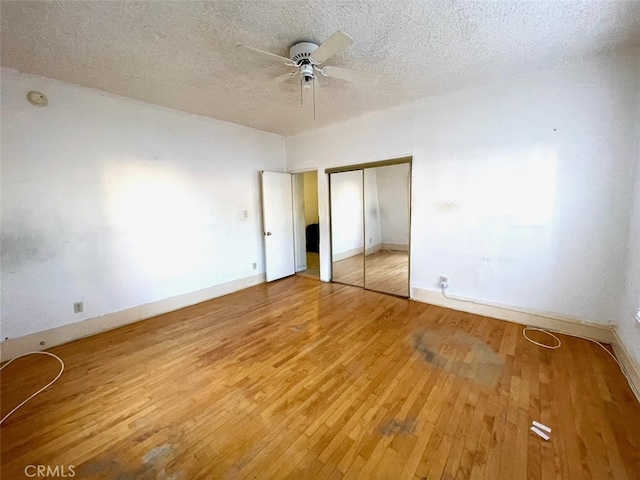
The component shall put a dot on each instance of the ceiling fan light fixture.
(309, 61)
(306, 75)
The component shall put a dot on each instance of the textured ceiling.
(181, 54)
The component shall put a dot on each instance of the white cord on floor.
(550, 347)
(571, 335)
(548, 332)
(43, 388)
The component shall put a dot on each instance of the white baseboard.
(630, 366)
(74, 331)
(549, 321)
(373, 249)
(347, 254)
(396, 247)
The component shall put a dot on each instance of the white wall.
(118, 203)
(628, 328)
(373, 237)
(310, 180)
(520, 189)
(386, 209)
(346, 193)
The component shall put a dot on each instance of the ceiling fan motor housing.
(301, 52)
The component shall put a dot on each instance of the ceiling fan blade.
(320, 78)
(261, 54)
(276, 81)
(337, 43)
(351, 75)
(283, 78)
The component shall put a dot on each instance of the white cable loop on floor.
(39, 391)
(550, 347)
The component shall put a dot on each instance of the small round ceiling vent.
(37, 98)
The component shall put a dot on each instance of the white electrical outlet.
(444, 282)
(255, 265)
(78, 307)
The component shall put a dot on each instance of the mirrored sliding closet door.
(347, 228)
(370, 226)
(386, 200)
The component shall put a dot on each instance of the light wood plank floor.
(384, 271)
(301, 379)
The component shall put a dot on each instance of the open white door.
(277, 217)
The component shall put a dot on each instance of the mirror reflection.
(387, 224)
(347, 229)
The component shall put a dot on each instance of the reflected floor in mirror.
(313, 266)
(349, 270)
(386, 271)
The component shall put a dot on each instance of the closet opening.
(370, 222)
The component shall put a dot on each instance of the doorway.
(370, 207)
(306, 221)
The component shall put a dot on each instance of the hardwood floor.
(382, 271)
(300, 379)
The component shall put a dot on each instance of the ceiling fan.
(308, 59)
